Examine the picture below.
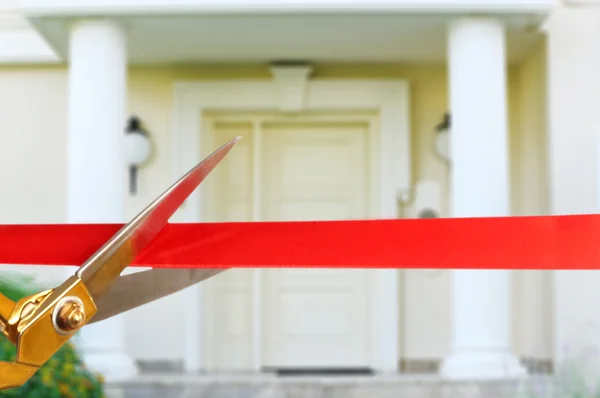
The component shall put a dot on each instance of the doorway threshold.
(320, 371)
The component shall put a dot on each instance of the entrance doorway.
(300, 168)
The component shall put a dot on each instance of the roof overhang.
(163, 31)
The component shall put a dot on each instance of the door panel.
(315, 318)
(228, 309)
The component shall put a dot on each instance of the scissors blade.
(104, 267)
(134, 290)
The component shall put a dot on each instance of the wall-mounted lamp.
(137, 150)
(442, 138)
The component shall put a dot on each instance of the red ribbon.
(547, 242)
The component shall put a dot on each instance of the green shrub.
(64, 375)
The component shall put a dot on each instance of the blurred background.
(348, 110)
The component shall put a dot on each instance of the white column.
(481, 345)
(96, 169)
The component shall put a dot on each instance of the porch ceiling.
(235, 38)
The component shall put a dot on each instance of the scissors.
(40, 324)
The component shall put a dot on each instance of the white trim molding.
(389, 98)
(23, 45)
(129, 7)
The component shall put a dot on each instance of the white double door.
(290, 318)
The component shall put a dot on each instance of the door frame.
(390, 98)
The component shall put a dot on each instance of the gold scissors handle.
(40, 324)
(13, 373)
(6, 308)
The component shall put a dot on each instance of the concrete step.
(379, 386)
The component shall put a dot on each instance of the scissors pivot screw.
(69, 315)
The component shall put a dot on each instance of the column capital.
(477, 18)
(478, 26)
(97, 22)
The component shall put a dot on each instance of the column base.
(482, 366)
(113, 367)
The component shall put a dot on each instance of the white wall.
(32, 153)
(532, 290)
(573, 116)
